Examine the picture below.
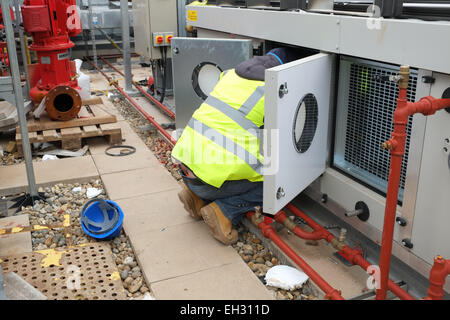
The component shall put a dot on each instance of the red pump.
(51, 23)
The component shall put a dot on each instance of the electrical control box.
(155, 24)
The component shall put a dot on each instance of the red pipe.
(396, 145)
(269, 232)
(145, 93)
(438, 274)
(281, 217)
(137, 106)
(354, 256)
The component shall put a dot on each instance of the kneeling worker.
(218, 152)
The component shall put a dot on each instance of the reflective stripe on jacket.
(221, 140)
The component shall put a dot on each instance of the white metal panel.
(414, 42)
(142, 35)
(406, 42)
(289, 169)
(152, 16)
(311, 30)
(189, 53)
(430, 235)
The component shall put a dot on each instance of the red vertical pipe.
(397, 147)
(438, 275)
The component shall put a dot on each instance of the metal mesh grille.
(370, 109)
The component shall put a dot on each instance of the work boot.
(221, 227)
(192, 203)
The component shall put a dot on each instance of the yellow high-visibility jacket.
(221, 140)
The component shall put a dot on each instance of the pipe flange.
(63, 103)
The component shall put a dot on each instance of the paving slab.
(109, 107)
(180, 250)
(98, 145)
(15, 243)
(233, 281)
(18, 289)
(140, 159)
(134, 183)
(13, 179)
(153, 212)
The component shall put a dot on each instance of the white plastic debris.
(76, 189)
(93, 192)
(285, 277)
(84, 81)
(49, 157)
(147, 296)
(40, 109)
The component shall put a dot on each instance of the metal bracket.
(401, 221)
(283, 90)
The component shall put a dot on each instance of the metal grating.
(370, 107)
(85, 272)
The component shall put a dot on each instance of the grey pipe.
(22, 47)
(15, 74)
(92, 31)
(126, 45)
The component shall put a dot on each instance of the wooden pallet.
(92, 121)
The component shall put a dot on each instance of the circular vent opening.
(305, 123)
(204, 78)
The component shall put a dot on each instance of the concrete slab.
(134, 183)
(140, 159)
(18, 289)
(99, 144)
(109, 107)
(180, 250)
(228, 282)
(153, 212)
(14, 179)
(15, 243)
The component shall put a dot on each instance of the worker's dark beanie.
(254, 69)
(285, 55)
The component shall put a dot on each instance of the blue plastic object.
(101, 219)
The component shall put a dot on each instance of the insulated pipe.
(354, 256)
(145, 93)
(396, 146)
(137, 106)
(269, 232)
(438, 275)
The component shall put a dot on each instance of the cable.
(164, 77)
(122, 153)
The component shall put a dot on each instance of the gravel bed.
(62, 199)
(258, 258)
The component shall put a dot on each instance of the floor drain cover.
(85, 272)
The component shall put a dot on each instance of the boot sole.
(212, 222)
(188, 204)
